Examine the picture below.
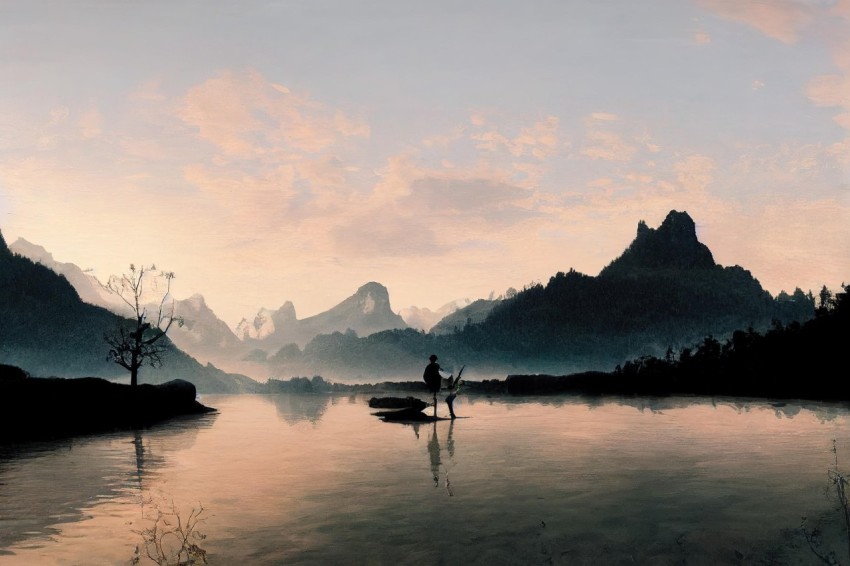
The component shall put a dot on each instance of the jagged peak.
(286, 310)
(674, 244)
(372, 287)
(679, 225)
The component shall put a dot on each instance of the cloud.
(90, 123)
(832, 91)
(787, 242)
(430, 211)
(779, 19)
(444, 140)
(540, 140)
(702, 38)
(602, 117)
(258, 201)
(695, 173)
(243, 114)
(608, 146)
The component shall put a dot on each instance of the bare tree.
(137, 342)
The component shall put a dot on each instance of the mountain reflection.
(294, 408)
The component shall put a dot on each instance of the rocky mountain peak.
(372, 297)
(674, 244)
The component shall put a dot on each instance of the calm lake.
(290, 479)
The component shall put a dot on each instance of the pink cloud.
(244, 114)
(778, 19)
(608, 146)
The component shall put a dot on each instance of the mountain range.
(665, 291)
(206, 337)
(365, 312)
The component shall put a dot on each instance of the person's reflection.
(434, 454)
(138, 444)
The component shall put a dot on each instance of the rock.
(397, 403)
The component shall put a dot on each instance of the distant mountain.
(49, 331)
(425, 318)
(473, 313)
(365, 312)
(263, 324)
(664, 292)
(203, 335)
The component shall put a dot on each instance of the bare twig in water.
(813, 538)
(839, 480)
(171, 541)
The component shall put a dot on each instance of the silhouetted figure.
(433, 379)
(453, 386)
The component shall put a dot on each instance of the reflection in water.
(435, 453)
(825, 411)
(294, 408)
(47, 484)
(318, 480)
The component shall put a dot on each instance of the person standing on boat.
(434, 379)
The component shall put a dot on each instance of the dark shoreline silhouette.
(51, 408)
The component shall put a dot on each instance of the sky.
(294, 150)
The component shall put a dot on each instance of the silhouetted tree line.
(796, 360)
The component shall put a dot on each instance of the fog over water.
(318, 480)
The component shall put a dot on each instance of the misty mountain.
(473, 313)
(664, 292)
(49, 331)
(203, 335)
(365, 312)
(425, 319)
(88, 287)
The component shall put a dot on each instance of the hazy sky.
(295, 150)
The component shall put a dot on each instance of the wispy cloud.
(779, 19)
(609, 146)
(243, 114)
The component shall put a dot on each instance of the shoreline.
(48, 408)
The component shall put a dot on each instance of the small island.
(47, 408)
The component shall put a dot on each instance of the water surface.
(290, 479)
